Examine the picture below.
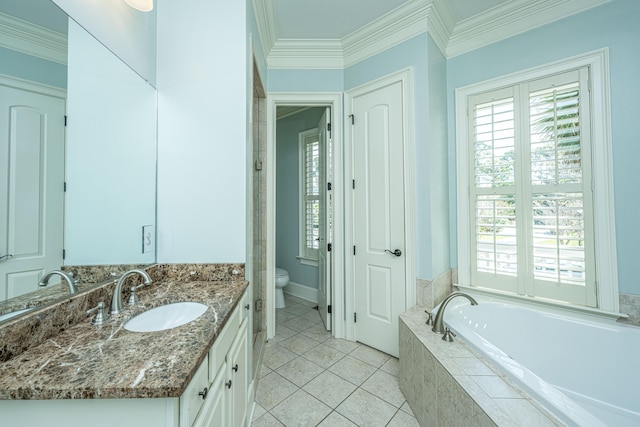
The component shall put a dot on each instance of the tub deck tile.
(447, 384)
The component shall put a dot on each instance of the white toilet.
(282, 280)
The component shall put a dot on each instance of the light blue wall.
(613, 25)
(29, 67)
(429, 132)
(288, 195)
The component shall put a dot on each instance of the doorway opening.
(303, 193)
(303, 199)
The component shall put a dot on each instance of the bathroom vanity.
(192, 375)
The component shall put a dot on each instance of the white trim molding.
(405, 22)
(401, 24)
(602, 170)
(308, 99)
(31, 39)
(304, 292)
(509, 19)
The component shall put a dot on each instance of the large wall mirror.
(86, 189)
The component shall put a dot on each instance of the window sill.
(307, 261)
(542, 303)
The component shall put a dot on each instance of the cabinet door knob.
(248, 306)
(228, 384)
(204, 393)
(235, 368)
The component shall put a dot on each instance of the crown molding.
(31, 39)
(306, 54)
(407, 21)
(264, 11)
(509, 19)
(400, 24)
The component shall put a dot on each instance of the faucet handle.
(133, 297)
(430, 319)
(448, 335)
(101, 314)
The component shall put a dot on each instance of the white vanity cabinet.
(225, 401)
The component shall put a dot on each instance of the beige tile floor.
(308, 378)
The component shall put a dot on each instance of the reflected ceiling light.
(141, 5)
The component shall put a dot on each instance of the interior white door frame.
(313, 99)
(406, 77)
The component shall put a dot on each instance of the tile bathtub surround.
(447, 384)
(24, 332)
(430, 293)
(87, 362)
(309, 378)
(630, 305)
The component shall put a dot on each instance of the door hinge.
(354, 249)
(64, 253)
(329, 309)
(353, 119)
(329, 186)
(328, 127)
(355, 317)
(353, 184)
(329, 247)
(65, 120)
(64, 187)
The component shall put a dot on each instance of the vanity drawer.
(191, 400)
(222, 343)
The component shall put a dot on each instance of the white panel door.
(324, 256)
(379, 217)
(31, 188)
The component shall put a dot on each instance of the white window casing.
(538, 223)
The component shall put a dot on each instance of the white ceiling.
(334, 19)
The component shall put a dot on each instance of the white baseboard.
(301, 291)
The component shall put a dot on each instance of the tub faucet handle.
(430, 318)
(448, 335)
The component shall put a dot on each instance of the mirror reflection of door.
(31, 186)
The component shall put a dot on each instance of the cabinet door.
(237, 368)
(214, 413)
(192, 399)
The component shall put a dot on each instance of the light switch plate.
(148, 239)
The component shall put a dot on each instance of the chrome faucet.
(438, 323)
(116, 300)
(73, 288)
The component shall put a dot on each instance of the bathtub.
(581, 368)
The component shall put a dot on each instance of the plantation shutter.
(311, 198)
(531, 192)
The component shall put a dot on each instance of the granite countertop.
(107, 361)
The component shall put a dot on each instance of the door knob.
(397, 252)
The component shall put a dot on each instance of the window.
(527, 223)
(309, 196)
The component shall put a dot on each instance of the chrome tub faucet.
(438, 323)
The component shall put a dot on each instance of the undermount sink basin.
(166, 317)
